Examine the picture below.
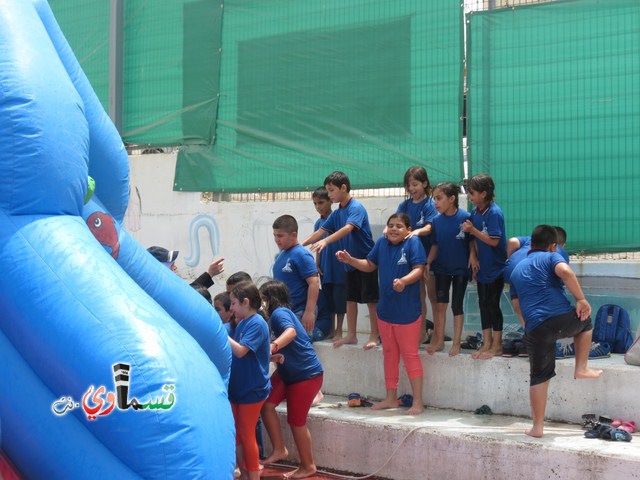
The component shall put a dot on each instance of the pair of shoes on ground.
(597, 350)
(608, 432)
(590, 421)
(472, 342)
(514, 348)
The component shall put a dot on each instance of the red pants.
(400, 340)
(246, 417)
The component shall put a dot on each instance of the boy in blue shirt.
(349, 225)
(331, 272)
(537, 291)
(296, 268)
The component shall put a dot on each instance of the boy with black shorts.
(537, 293)
(349, 225)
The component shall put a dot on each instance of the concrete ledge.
(463, 383)
(452, 444)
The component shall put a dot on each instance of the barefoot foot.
(492, 352)
(276, 456)
(386, 403)
(434, 347)
(348, 340)
(455, 350)
(301, 472)
(318, 398)
(415, 409)
(481, 351)
(587, 373)
(371, 343)
(534, 432)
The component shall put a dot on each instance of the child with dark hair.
(333, 294)
(222, 304)
(236, 278)
(449, 260)
(296, 267)
(537, 291)
(297, 380)
(421, 210)
(349, 225)
(400, 261)
(487, 227)
(249, 383)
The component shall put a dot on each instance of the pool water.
(597, 290)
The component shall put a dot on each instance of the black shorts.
(362, 287)
(541, 343)
(336, 296)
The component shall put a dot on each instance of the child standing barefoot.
(420, 209)
(249, 383)
(537, 291)
(400, 261)
(449, 258)
(297, 379)
(487, 227)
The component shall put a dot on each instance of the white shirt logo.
(420, 223)
(460, 235)
(287, 268)
(403, 258)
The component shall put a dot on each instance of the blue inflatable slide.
(112, 366)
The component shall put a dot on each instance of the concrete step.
(452, 444)
(463, 383)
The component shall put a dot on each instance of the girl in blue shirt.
(421, 210)
(297, 379)
(400, 261)
(449, 261)
(487, 227)
(249, 384)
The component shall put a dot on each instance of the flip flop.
(589, 420)
(616, 435)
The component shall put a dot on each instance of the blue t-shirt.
(249, 381)
(360, 241)
(520, 254)
(332, 271)
(293, 267)
(492, 259)
(421, 214)
(538, 289)
(396, 261)
(453, 244)
(300, 359)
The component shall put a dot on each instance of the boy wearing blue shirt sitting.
(296, 268)
(537, 292)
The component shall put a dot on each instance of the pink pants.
(400, 340)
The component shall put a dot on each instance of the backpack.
(613, 326)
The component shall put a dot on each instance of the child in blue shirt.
(400, 261)
(296, 267)
(487, 227)
(297, 380)
(349, 225)
(249, 383)
(537, 291)
(421, 210)
(331, 272)
(449, 261)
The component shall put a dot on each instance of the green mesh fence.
(171, 64)
(554, 116)
(367, 87)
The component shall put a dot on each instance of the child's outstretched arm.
(420, 232)
(314, 237)
(411, 277)
(283, 340)
(334, 237)
(468, 227)
(362, 264)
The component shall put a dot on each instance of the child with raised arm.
(400, 261)
(537, 291)
(297, 380)
(331, 272)
(449, 261)
(249, 383)
(349, 224)
(296, 267)
(421, 210)
(486, 225)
